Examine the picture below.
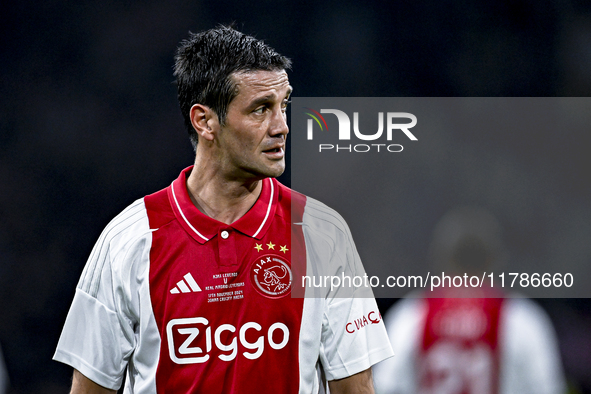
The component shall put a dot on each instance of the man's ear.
(204, 121)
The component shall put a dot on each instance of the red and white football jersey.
(188, 304)
(470, 346)
(459, 351)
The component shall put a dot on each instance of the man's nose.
(278, 124)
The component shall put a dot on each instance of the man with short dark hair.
(193, 288)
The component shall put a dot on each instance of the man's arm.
(82, 385)
(360, 383)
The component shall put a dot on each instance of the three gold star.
(271, 246)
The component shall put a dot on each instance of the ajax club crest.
(271, 276)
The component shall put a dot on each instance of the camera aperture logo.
(395, 123)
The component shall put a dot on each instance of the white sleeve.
(353, 335)
(93, 341)
(98, 336)
(404, 321)
(530, 357)
(353, 338)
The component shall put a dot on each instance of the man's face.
(252, 141)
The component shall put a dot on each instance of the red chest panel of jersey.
(223, 307)
(459, 352)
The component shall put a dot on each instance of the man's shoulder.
(158, 208)
(313, 214)
(124, 235)
(289, 200)
(139, 217)
(320, 211)
(318, 214)
(129, 222)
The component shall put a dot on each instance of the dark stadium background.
(89, 122)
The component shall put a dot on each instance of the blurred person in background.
(466, 340)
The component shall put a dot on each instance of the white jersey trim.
(183, 215)
(269, 205)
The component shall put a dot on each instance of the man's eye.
(285, 104)
(260, 110)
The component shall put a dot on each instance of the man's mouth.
(276, 153)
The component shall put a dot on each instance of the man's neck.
(225, 200)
